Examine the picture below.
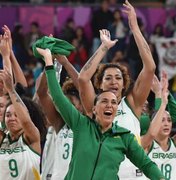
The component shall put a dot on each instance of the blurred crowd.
(104, 17)
(89, 1)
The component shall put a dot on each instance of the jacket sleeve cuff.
(49, 67)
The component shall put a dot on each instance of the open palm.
(106, 38)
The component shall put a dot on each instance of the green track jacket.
(97, 156)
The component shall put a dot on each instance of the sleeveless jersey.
(127, 119)
(48, 154)
(18, 161)
(166, 160)
(63, 153)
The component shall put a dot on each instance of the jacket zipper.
(101, 142)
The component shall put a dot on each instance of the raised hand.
(164, 80)
(130, 11)
(44, 52)
(105, 37)
(156, 86)
(9, 36)
(4, 45)
(164, 94)
(164, 87)
(7, 80)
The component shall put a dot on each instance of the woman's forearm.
(62, 104)
(90, 67)
(18, 73)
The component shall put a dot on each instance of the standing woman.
(161, 148)
(20, 148)
(58, 147)
(99, 145)
(9, 61)
(115, 78)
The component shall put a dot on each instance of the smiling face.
(113, 81)
(11, 120)
(166, 125)
(105, 109)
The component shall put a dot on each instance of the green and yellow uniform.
(97, 155)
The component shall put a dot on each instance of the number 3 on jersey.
(66, 151)
(13, 168)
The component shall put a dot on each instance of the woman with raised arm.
(58, 147)
(5, 52)
(171, 105)
(99, 146)
(17, 71)
(11, 63)
(114, 77)
(19, 148)
(157, 142)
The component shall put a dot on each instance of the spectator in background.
(68, 32)
(37, 1)
(158, 32)
(34, 66)
(133, 56)
(33, 34)
(118, 30)
(79, 56)
(170, 3)
(119, 57)
(155, 57)
(171, 25)
(32, 70)
(19, 44)
(101, 19)
(81, 37)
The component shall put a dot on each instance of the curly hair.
(69, 88)
(99, 74)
